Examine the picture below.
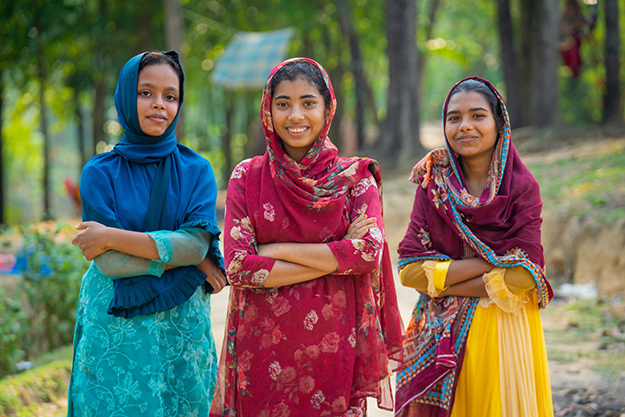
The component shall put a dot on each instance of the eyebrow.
(470, 110)
(146, 84)
(284, 96)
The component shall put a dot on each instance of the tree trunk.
(41, 73)
(612, 98)
(173, 33)
(510, 68)
(336, 75)
(400, 138)
(80, 131)
(226, 139)
(98, 111)
(538, 64)
(1, 151)
(357, 68)
(526, 77)
(422, 57)
(546, 63)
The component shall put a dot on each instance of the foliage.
(21, 395)
(85, 43)
(51, 276)
(585, 182)
(11, 333)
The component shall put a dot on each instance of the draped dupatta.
(148, 183)
(310, 201)
(501, 226)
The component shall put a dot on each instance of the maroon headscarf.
(307, 201)
(501, 226)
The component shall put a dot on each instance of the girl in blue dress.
(143, 342)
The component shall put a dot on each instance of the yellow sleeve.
(425, 276)
(507, 287)
(413, 276)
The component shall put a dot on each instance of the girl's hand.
(93, 240)
(359, 227)
(214, 276)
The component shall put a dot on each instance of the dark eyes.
(284, 104)
(148, 93)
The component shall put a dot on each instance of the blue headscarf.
(148, 183)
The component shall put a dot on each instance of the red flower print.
(251, 313)
(317, 399)
(310, 320)
(327, 312)
(281, 306)
(339, 299)
(270, 212)
(352, 338)
(281, 410)
(288, 375)
(274, 370)
(339, 405)
(330, 343)
(306, 384)
(313, 351)
(266, 340)
(276, 335)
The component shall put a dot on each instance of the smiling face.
(299, 115)
(157, 98)
(470, 126)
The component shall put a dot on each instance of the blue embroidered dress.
(143, 343)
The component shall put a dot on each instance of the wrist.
(109, 238)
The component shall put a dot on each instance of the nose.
(296, 113)
(158, 103)
(466, 124)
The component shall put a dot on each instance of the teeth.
(297, 129)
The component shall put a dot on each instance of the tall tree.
(174, 34)
(347, 27)
(538, 62)
(613, 111)
(401, 132)
(510, 63)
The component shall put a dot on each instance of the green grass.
(585, 183)
(601, 324)
(46, 383)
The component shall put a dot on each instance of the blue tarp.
(249, 57)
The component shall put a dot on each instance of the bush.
(11, 333)
(51, 274)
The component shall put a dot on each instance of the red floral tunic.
(300, 349)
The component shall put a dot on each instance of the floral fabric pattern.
(162, 364)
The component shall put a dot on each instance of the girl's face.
(470, 126)
(157, 98)
(299, 115)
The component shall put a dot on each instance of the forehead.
(296, 88)
(159, 74)
(467, 100)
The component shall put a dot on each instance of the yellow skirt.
(505, 371)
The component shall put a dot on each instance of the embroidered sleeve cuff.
(162, 245)
(500, 293)
(436, 273)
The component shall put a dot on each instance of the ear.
(329, 110)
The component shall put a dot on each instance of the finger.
(82, 226)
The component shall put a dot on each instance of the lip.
(466, 138)
(157, 118)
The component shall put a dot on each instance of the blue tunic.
(162, 364)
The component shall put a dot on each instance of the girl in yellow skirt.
(475, 344)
